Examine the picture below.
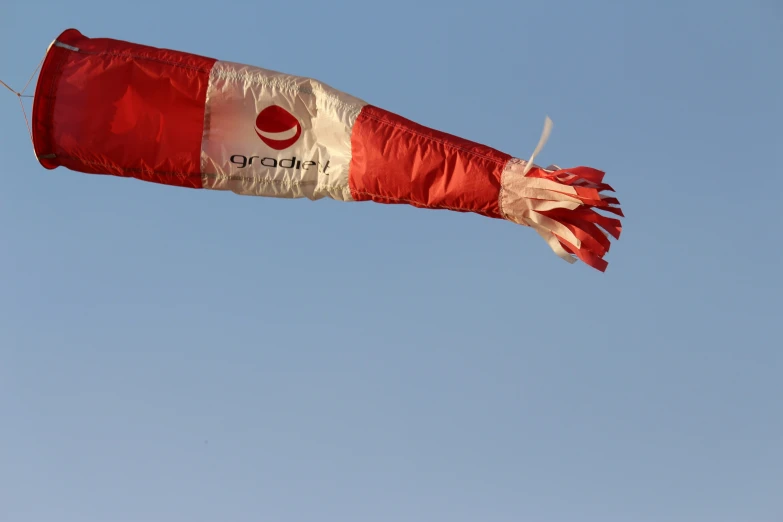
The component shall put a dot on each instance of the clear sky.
(172, 355)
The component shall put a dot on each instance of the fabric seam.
(130, 169)
(146, 58)
(56, 74)
(436, 140)
(419, 204)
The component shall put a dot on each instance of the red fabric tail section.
(105, 106)
(395, 160)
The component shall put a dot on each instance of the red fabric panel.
(395, 160)
(123, 109)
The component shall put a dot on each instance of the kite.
(105, 106)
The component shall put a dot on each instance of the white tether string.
(541, 142)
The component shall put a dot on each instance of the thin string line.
(26, 121)
(7, 87)
(21, 94)
(32, 75)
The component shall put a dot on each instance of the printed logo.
(277, 127)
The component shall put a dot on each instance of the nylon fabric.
(561, 206)
(113, 107)
(105, 106)
(396, 160)
(277, 135)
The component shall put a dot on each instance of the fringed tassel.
(561, 205)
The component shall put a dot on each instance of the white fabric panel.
(300, 147)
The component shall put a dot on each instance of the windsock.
(105, 106)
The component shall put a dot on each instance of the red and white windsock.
(105, 106)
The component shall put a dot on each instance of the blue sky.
(176, 355)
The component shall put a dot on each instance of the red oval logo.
(277, 127)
